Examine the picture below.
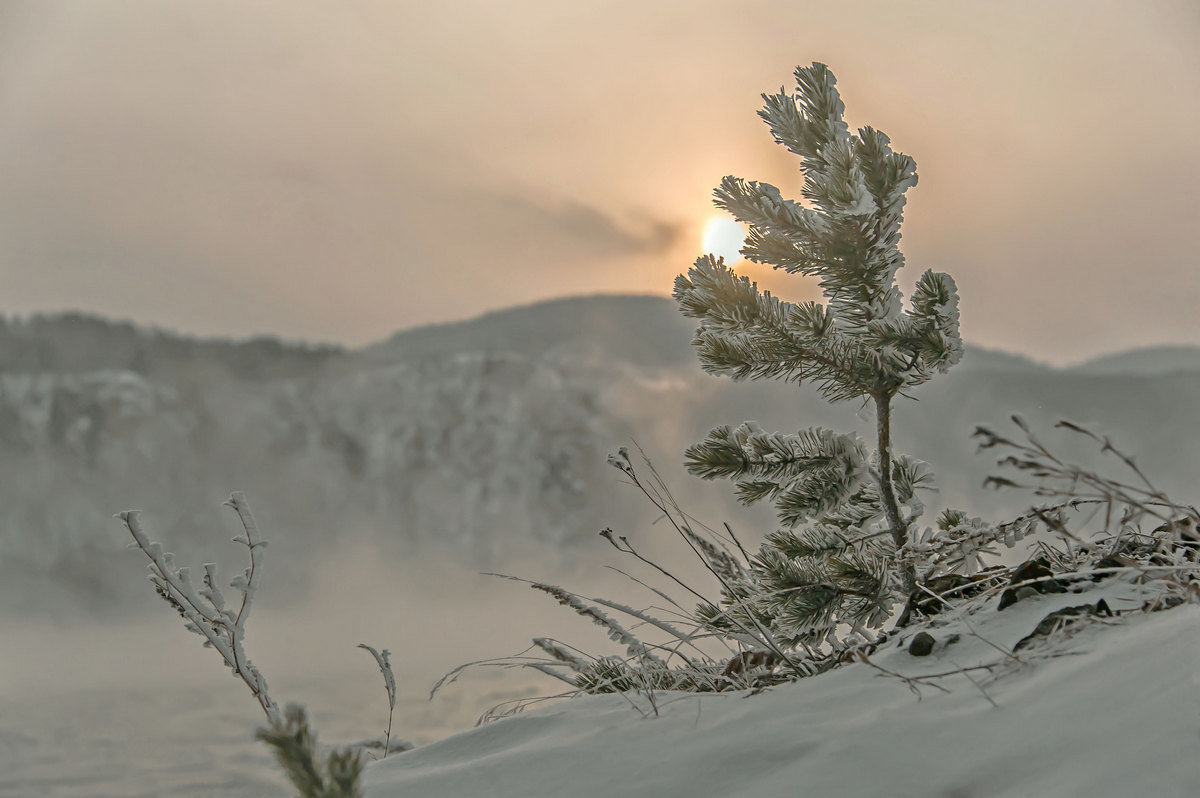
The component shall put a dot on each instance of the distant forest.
(77, 342)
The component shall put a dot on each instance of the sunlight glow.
(723, 237)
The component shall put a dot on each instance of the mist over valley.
(483, 441)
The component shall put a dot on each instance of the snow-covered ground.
(1109, 711)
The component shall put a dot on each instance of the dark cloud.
(569, 228)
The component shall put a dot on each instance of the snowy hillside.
(483, 437)
(1110, 712)
(476, 453)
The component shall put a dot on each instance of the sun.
(723, 237)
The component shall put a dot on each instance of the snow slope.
(1111, 711)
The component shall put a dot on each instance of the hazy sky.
(338, 171)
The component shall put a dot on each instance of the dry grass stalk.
(383, 659)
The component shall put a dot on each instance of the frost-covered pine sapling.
(203, 608)
(845, 513)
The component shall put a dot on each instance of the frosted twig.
(914, 683)
(649, 587)
(911, 681)
(626, 547)
(723, 570)
(616, 632)
(511, 707)
(966, 674)
(204, 611)
(383, 659)
(1008, 655)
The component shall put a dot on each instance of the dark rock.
(749, 661)
(1061, 619)
(1008, 598)
(940, 584)
(1163, 603)
(1179, 529)
(754, 669)
(1112, 561)
(921, 645)
(958, 585)
(1031, 569)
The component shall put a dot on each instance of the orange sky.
(337, 171)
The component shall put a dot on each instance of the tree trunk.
(883, 416)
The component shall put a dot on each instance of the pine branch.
(762, 206)
(808, 473)
(888, 175)
(749, 335)
(820, 103)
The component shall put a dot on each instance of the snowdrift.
(1110, 710)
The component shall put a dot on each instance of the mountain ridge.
(645, 329)
(1161, 359)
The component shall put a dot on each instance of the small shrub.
(204, 612)
(338, 775)
(203, 609)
